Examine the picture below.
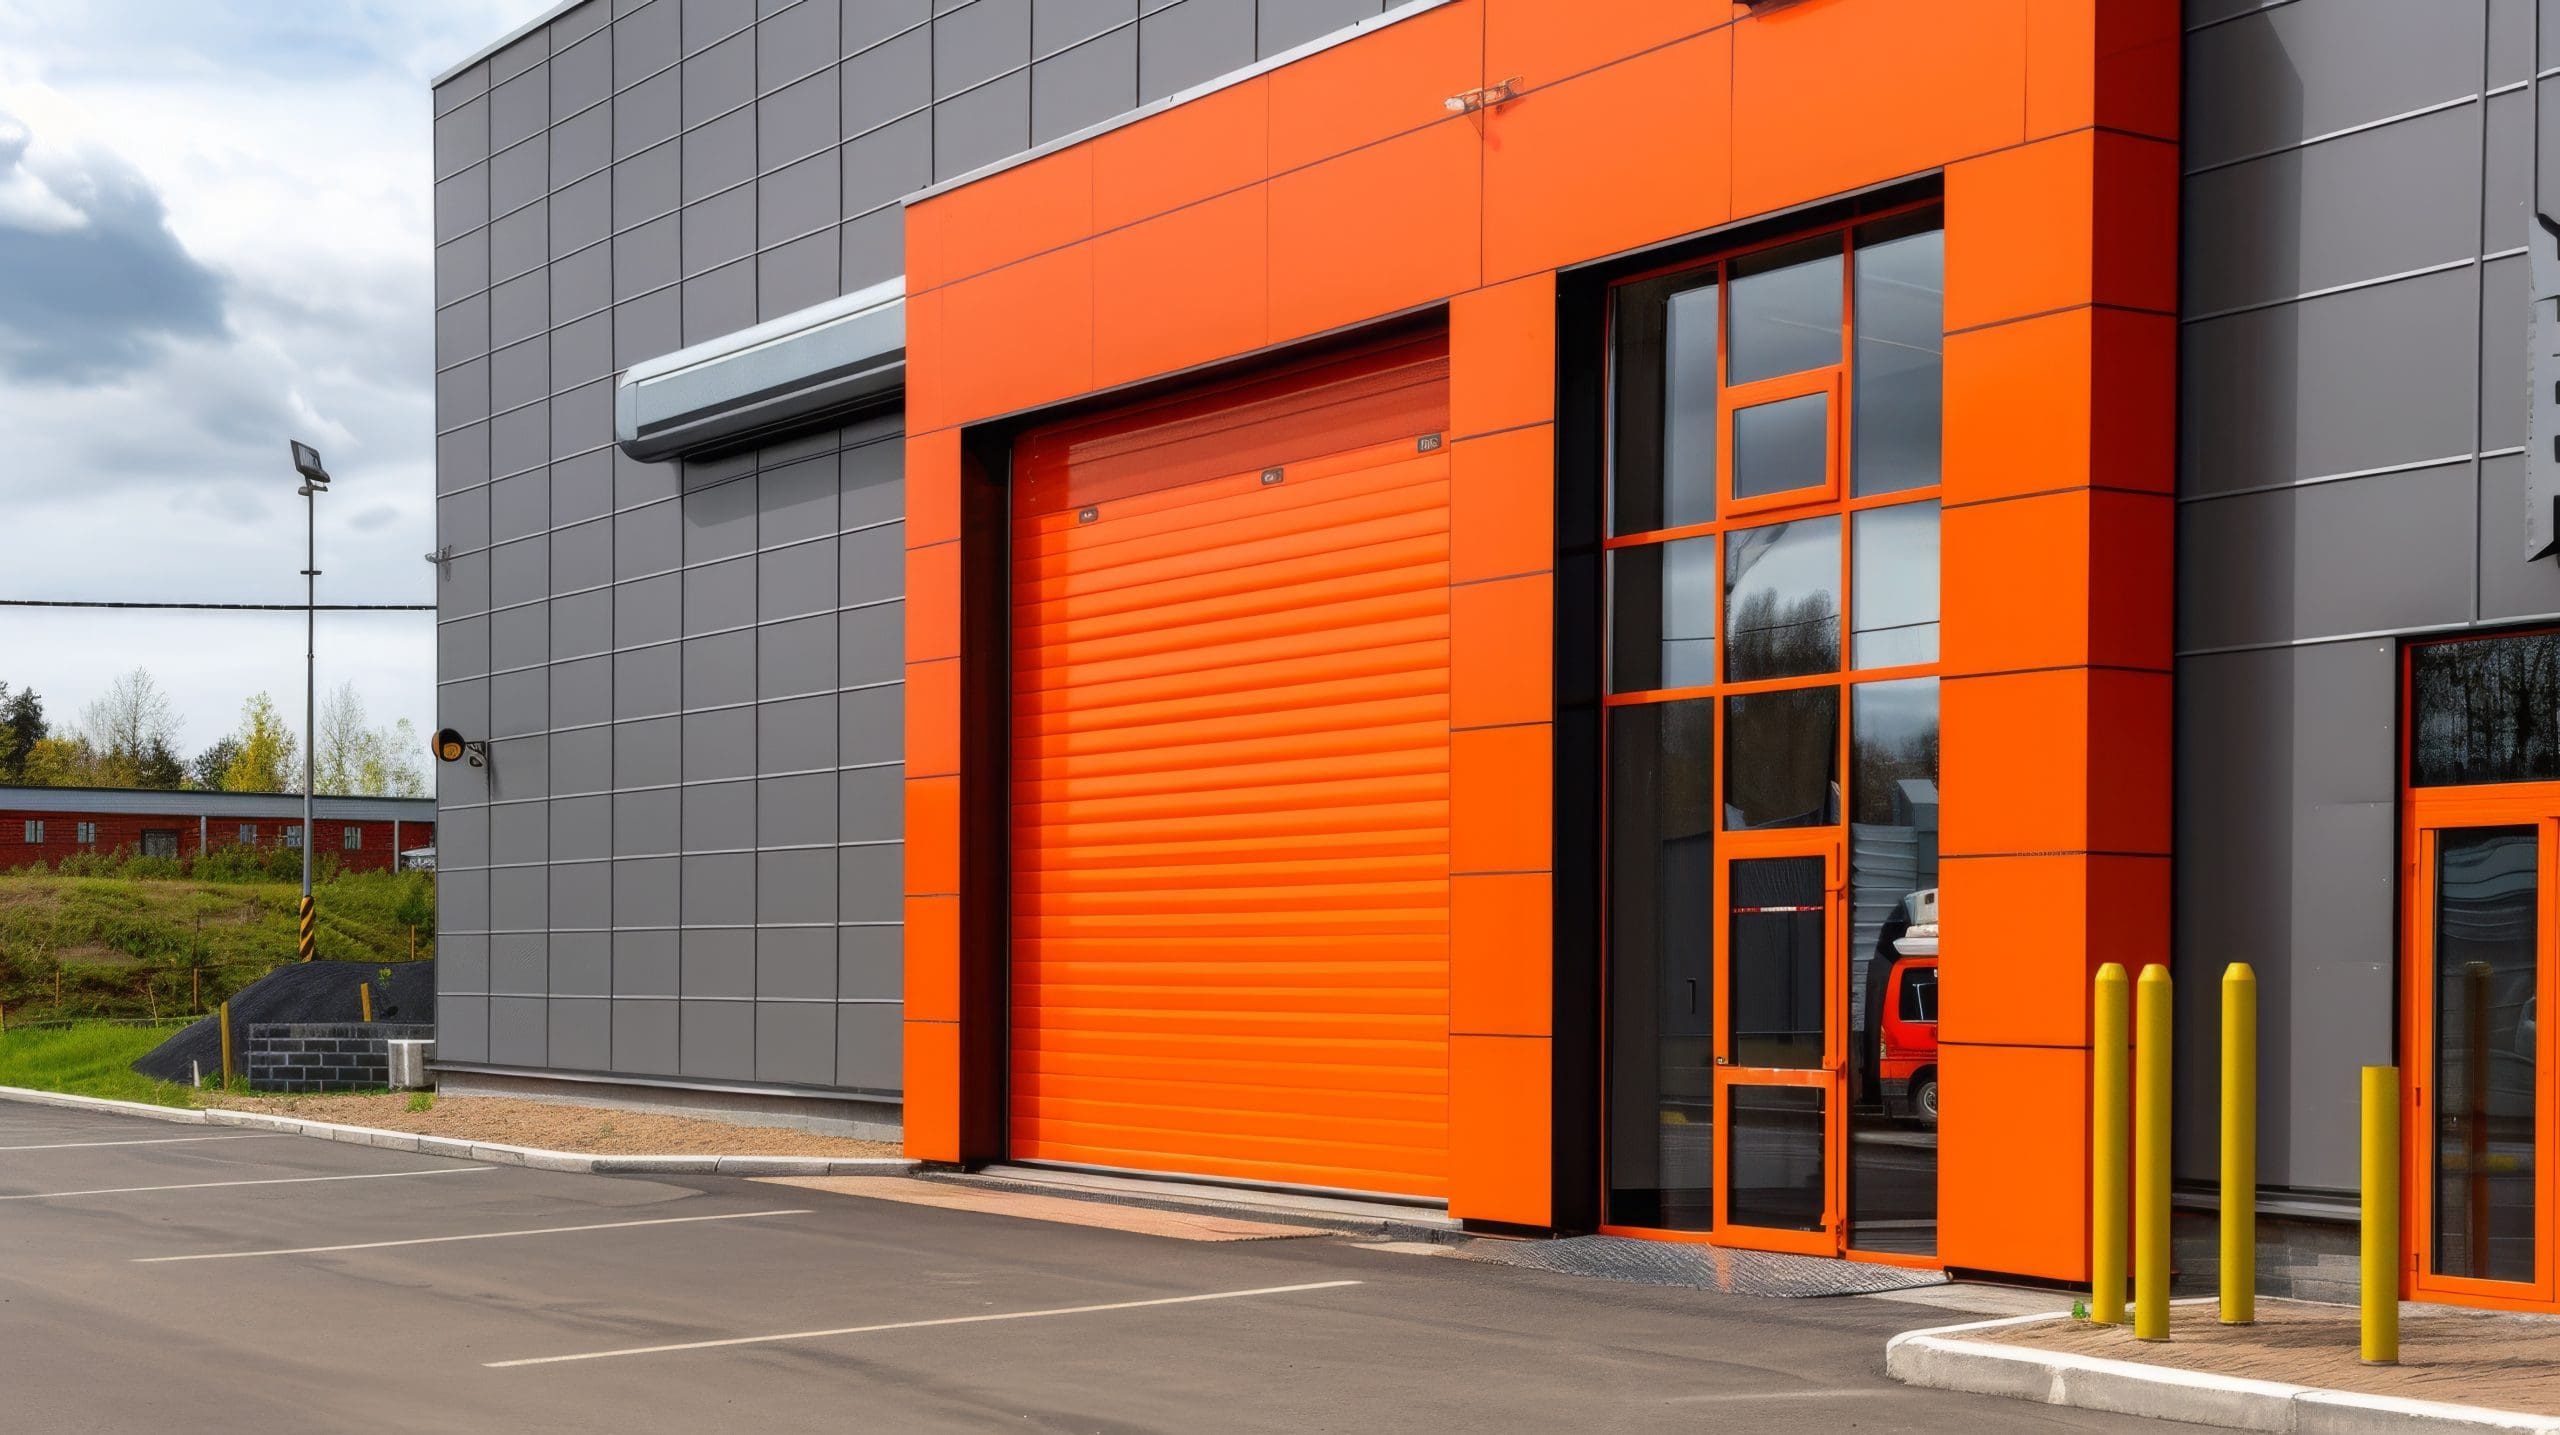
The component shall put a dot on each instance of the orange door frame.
(2427, 812)
(1829, 1078)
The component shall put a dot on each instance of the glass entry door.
(2478, 1076)
(1779, 1055)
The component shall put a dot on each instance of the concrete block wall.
(325, 1056)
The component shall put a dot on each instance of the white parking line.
(152, 1141)
(481, 1236)
(915, 1325)
(272, 1181)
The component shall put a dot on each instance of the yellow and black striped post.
(304, 946)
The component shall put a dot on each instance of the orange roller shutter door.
(1230, 788)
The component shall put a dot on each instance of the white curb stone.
(1942, 1359)
(2332, 1412)
(487, 1153)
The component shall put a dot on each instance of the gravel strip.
(553, 1126)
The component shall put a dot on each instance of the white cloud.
(233, 199)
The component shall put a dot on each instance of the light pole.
(315, 481)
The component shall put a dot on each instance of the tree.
(129, 725)
(22, 726)
(394, 769)
(210, 765)
(161, 768)
(59, 762)
(355, 758)
(265, 761)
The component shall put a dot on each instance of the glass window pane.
(1777, 1157)
(2485, 710)
(1661, 965)
(1782, 600)
(2487, 999)
(1779, 910)
(1689, 408)
(1893, 588)
(1782, 446)
(1786, 311)
(1782, 759)
(1893, 880)
(1899, 389)
(1635, 400)
(1663, 615)
(1664, 393)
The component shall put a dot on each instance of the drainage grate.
(1695, 1267)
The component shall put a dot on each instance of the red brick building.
(39, 826)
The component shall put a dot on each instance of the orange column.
(2060, 468)
(933, 1008)
(1501, 716)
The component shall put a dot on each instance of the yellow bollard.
(364, 1000)
(2151, 1156)
(226, 1044)
(2239, 1145)
(2109, 1118)
(2381, 1275)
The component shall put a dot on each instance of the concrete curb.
(484, 1152)
(32, 1097)
(1941, 1359)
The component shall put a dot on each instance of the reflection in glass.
(2487, 1077)
(1776, 1157)
(1900, 385)
(1774, 958)
(1893, 876)
(1782, 759)
(1786, 312)
(1893, 588)
(1782, 600)
(2485, 710)
(1782, 446)
(1661, 1130)
(1663, 615)
(1689, 409)
(1663, 382)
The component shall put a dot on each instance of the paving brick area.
(2464, 1357)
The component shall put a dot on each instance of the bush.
(415, 906)
(259, 864)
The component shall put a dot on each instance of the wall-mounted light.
(452, 746)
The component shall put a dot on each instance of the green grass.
(90, 1059)
(141, 946)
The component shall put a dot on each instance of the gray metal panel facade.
(2351, 472)
(683, 858)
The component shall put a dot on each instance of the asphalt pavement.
(165, 1278)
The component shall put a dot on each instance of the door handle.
(1693, 996)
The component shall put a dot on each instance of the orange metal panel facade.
(2052, 129)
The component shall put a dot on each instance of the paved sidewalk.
(2296, 1369)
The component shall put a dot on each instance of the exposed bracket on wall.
(1467, 102)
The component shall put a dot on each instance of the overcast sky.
(214, 236)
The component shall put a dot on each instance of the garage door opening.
(1230, 781)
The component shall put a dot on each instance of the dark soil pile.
(302, 992)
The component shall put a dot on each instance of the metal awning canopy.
(841, 357)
